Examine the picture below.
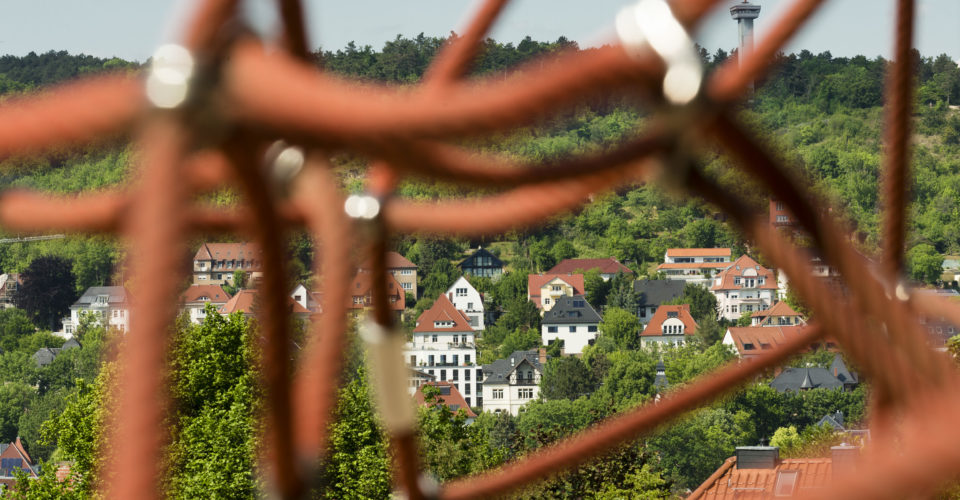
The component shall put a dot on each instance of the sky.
(131, 29)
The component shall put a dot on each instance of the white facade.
(449, 357)
(467, 299)
(673, 331)
(575, 336)
(521, 387)
(107, 304)
(693, 267)
(745, 296)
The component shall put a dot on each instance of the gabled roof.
(481, 252)
(536, 281)
(45, 355)
(834, 420)
(812, 377)
(397, 261)
(779, 309)
(499, 371)
(443, 311)
(656, 292)
(244, 299)
(839, 369)
(679, 311)
(730, 482)
(698, 252)
(117, 295)
(753, 339)
(361, 287)
(610, 265)
(726, 277)
(21, 452)
(571, 310)
(449, 396)
(228, 251)
(205, 293)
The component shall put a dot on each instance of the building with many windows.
(509, 384)
(214, 263)
(109, 305)
(573, 321)
(744, 286)
(694, 265)
(482, 263)
(466, 298)
(443, 346)
(544, 290)
(402, 269)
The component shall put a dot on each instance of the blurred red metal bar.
(27, 211)
(294, 37)
(274, 318)
(208, 20)
(135, 459)
(70, 114)
(896, 181)
(593, 442)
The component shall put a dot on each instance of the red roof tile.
(762, 337)
(228, 251)
(395, 261)
(206, 293)
(443, 310)
(698, 252)
(610, 265)
(361, 287)
(454, 400)
(733, 483)
(693, 265)
(655, 326)
(779, 309)
(737, 268)
(244, 299)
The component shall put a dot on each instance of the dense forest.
(822, 113)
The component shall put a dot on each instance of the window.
(747, 346)
(456, 359)
(219, 276)
(592, 328)
(407, 286)
(443, 375)
(466, 390)
(643, 312)
(546, 301)
(733, 308)
(430, 372)
(431, 360)
(466, 376)
(413, 360)
(456, 375)
(406, 272)
(466, 359)
(433, 338)
(786, 483)
(555, 288)
(443, 359)
(525, 393)
(783, 218)
(736, 280)
(551, 329)
(469, 306)
(203, 276)
(461, 292)
(573, 329)
(456, 339)
(579, 303)
(497, 394)
(779, 205)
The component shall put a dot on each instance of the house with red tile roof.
(608, 267)
(13, 457)
(758, 472)
(694, 265)
(244, 302)
(194, 300)
(361, 294)
(214, 263)
(744, 286)
(443, 346)
(781, 314)
(752, 341)
(402, 269)
(670, 324)
(544, 289)
(449, 396)
(310, 300)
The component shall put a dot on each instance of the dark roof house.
(571, 310)
(801, 379)
(482, 263)
(45, 355)
(499, 371)
(113, 296)
(652, 293)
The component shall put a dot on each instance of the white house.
(307, 299)
(195, 298)
(443, 346)
(671, 324)
(694, 265)
(744, 286)
(509, 384)
(467, 299)
(572, 320)
(109, 304)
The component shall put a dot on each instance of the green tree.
(47, 290)
(451, 448)
(622, 293)
(14, 397)
(702, 302)
(14, 325)
(595, 288)
(924, 263)
(622, 326)
(566, 378)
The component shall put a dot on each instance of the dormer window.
(443, 324)
(748, 347)
(671, 314)
(555, 288)
(102, 300)
(579, 303)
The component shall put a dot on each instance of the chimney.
(757, 457)
(844, 459)
(542, 354)
(450, 296)
(512, 362)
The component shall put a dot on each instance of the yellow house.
(545, 289)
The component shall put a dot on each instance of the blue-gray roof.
(652, 293)
(499, 371)
(116, 295)
(795, 379)
(571, 310)
(839, 369)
